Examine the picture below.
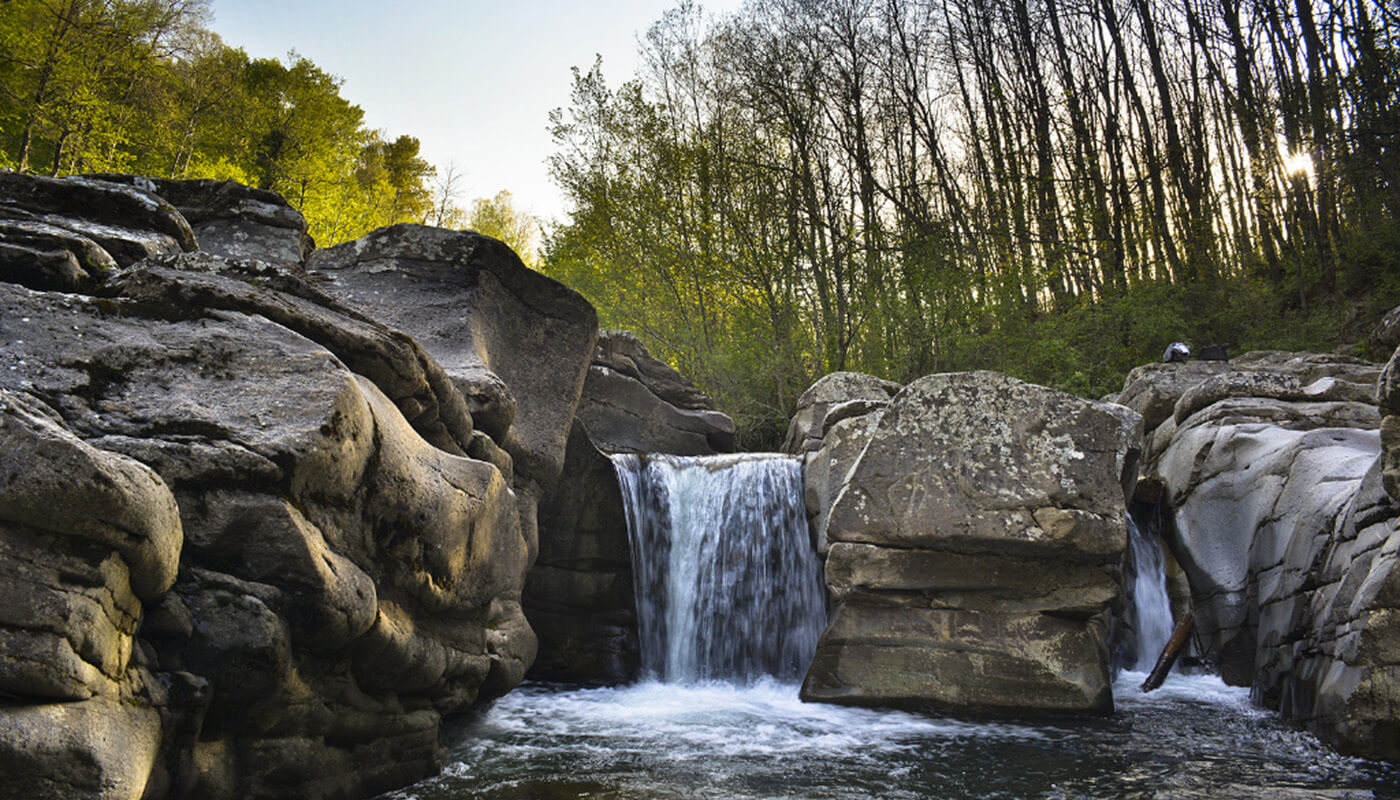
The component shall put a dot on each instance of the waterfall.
(727, 583)
(1147, 590)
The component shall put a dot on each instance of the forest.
(142, 86)
(1055, 189)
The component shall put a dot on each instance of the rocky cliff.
(973, 527)
(1276, 470)
(262, 527)
(579, 595)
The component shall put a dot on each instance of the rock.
(127, 222)
(50, 258)
(500, 330)
(974, 549)
(579, 596)
(342, 584)
(98, 748)
(395, 362)
(825, 469)
(1274, 475)
(232, 220)
(806, 429)
(1385, 336)
(633, 403)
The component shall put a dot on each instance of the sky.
(473, 80)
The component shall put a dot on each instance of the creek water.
(731, 606)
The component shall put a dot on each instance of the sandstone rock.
(966, 462)
(98, 748)
(579, 596)
(343, 582)
(974, 548)
(806, 429)
(232, 220)
(1274, 477)
(954, 660)
(50, 258)
(500, 330)
(127, 222)
(825, 469)
(635, 403)
(395, 362)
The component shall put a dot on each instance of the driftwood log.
(1180, 635)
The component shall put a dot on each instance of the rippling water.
(1193, 738)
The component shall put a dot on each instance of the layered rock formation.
(1273, 468)
(634, 403)
(835, 418)
(258, 542)
(974, 545)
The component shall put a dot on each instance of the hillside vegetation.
(1051, 188)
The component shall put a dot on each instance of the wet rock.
(1274, 474)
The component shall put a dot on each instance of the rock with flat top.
(974, 546)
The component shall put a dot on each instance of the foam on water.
(1193, 739)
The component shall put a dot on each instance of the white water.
(722, 547)
(727, 582)
(1152, 610)
(1193, 739)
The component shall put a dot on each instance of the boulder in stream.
(974, 551)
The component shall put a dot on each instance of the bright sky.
(474, 80)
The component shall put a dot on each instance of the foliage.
(499, 217)
(1054, 189)
(141, 86)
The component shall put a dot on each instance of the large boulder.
(974, 551)
(579, 595)
(257, 545)
(855, 392)
(634, 403)
(1272, 469)
(835, 419)
(128, 222)
(516, 344)
(343, 583)
(88, 538)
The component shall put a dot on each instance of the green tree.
(499, 217)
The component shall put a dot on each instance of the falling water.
(728, 586)
(728, 590)
(1147, 589)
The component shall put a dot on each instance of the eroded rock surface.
(974, 549)
(634, 403)
(500, 330)
(232, 220)
(1274, 470)
(256, 543)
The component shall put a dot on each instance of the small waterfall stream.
(728, 586)
(731, 605)
(1150, 609)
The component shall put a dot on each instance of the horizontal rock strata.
(974, 544)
